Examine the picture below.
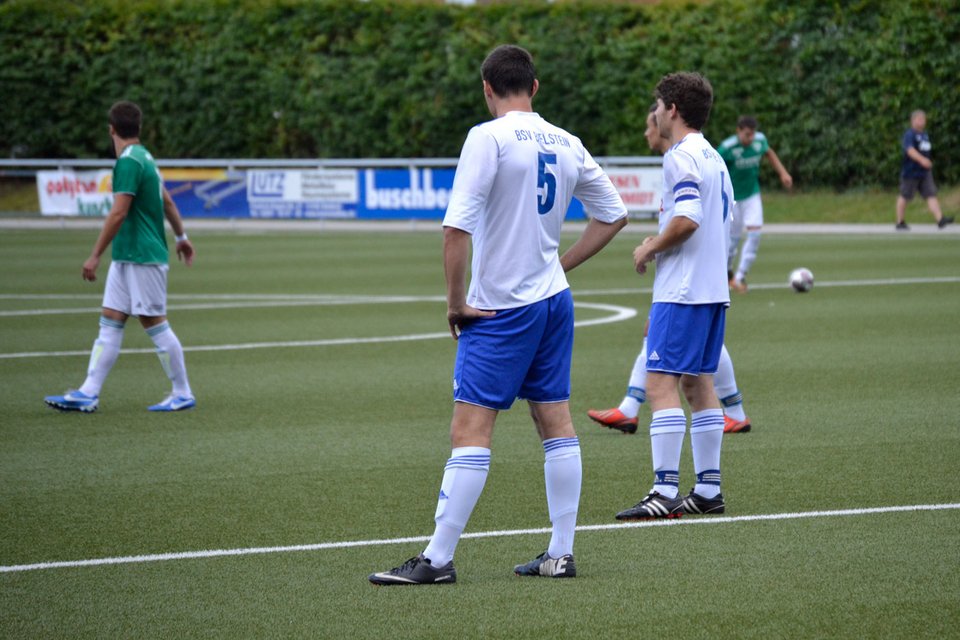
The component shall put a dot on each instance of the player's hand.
(643, 254)
(185, 252)
(459, 317)
(787, 181)
(927, 163)
(90, 268)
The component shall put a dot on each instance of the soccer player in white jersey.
(137, 279)
(514, 325)
(624, 417)
(690, 297)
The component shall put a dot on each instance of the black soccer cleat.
(547, 567)
(654, 506)
(902, 226)
(944, 221)
(696, 503)
(416, 570)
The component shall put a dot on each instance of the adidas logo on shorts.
(653, 356)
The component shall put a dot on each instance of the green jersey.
(142, 238)
(743, 163)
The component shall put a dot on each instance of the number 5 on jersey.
(546, 183)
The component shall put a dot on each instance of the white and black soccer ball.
(801, 279)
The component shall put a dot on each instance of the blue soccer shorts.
(518, 353)
(685, 338)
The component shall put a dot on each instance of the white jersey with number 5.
(695, 185)
(514, 182)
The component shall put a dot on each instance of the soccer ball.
(801, 279)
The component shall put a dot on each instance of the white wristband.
(180, 238)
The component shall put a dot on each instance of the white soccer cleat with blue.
(73, 401)
(174, 403)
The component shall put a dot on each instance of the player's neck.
(119, 144)
(680, 132)
(514, 103)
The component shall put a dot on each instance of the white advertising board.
(75, 193)
(640, 187)
(321, 193)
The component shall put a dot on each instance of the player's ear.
(536, 87)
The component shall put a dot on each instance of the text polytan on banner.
(75, 193)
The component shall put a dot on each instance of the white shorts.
(137, 289)
(748, 213)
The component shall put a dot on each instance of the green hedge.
(831, 82)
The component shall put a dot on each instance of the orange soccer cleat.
(613, 419)
(735, 426)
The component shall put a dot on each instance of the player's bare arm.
(118, 213)
(185, 250)
(919, 158)
(678, 231)
(785, 178)
(456, 255)
(594, 238)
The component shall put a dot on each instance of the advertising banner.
(75, 193)
(208, 193)
(406, 193)
(320, 193)
(372, 193)
(639, 187)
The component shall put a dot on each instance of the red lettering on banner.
(625, 182)
(637, 198)
(72, 186)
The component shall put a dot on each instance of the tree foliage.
(832, 83)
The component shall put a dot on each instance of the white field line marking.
(241, 301)
(618, 314)
(234, 302)
(215, 553)
(786, 285)
(319, 302)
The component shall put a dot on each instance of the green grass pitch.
(852, 388)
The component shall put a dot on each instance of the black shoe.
(944, 221)
(696, 503)
(544, 565)
(417, 570)
(653, 506)
(902, 226)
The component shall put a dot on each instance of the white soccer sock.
(725, 384)
(734, 243)
(666, 440)
(749, 254)
(106, 348)
(562, 474)
(706, 436)
(170, 353)
(636, 388)
(463, 480)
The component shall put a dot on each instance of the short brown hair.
(509, 70)
(692, 94)
(747, 122)
(125, 117)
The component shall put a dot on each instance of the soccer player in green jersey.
(742, 153)
(137, 279)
